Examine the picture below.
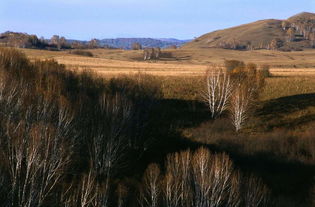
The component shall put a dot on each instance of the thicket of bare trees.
(54, 120)
(234, 89)
(59, 42)
(93, 43)
(198, 179)
(136, 46)
(151, 53)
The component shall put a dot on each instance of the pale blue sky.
(183, 19)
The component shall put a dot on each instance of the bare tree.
(290, 34)
(122, 194)
(94, 43)
(172, 190)
(108, 143)
(55, 40)
(240, 104)
(285, 25)
(151, 191)
(62, 42)
(275, 44)
(212, 178)
(81, 194)
(136, 46)
(37, 152)
(202, 179)
(4, 189)
(177, 181)
(218, 91)
(151, 53)
(234, 191)
(256, 193)
(157, 53)
(148, 53)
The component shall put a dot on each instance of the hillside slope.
(294, 33)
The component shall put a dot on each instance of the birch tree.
(37, 149)
(151, 191)
(218, 91)
(240, 105)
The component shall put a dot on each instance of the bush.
(232, 65)
(265, 71)
(82, 53)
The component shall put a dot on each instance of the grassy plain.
(181, 62)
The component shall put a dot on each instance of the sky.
(181, 19)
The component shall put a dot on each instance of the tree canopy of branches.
(54, 121)
(201, 179)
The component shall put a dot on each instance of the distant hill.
(24, 40)
(126, 43)
(295, 33)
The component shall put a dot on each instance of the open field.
(182, 62)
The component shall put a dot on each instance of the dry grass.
(277, 87)
(183, 62)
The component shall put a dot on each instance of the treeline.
(23, 40)
(56, 42)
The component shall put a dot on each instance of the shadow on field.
(168, 118)
(165, 56)
(276, 111)
(289, 182)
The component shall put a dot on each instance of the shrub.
(82, 53)
(136, 46)
(234, 65)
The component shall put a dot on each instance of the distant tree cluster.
(136, 46)
(301, 29)
(21, 40)
(294, 31)
(58, 42)
(275, 44)
(151, 53)
(233, 44)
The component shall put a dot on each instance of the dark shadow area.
(274, 110)
(167, 119)
(288, 180)
(164, 57)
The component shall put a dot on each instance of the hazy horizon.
(77, 19)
